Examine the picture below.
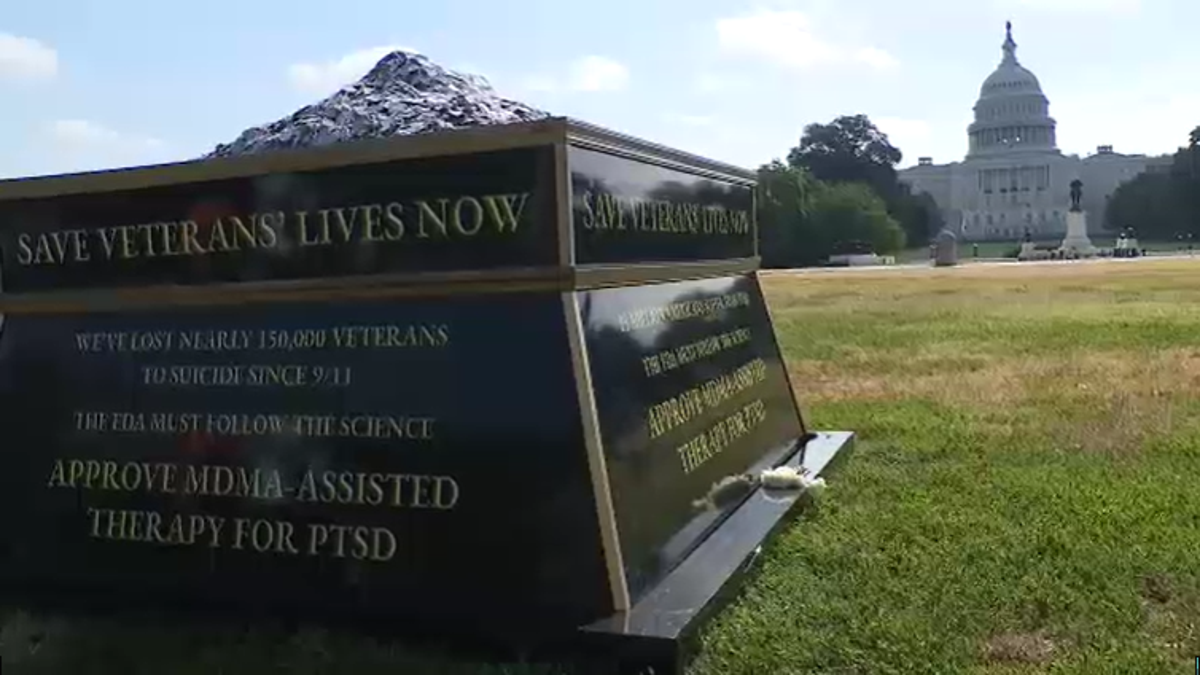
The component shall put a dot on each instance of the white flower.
(790, 478)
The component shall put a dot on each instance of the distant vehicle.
(853, 247)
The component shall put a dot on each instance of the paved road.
(995, 262)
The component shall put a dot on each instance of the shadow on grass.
(58, 646)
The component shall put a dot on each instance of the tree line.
(838, 191)
(1162, 204)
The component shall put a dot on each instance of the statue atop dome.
(1010, 45)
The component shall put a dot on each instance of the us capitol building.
(1014, 177)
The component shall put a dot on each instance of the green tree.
(1186, 170)
(1161, 205)
(1148, 203)
(918, 214)
(850, 149)
(786, 235)
(847, 212)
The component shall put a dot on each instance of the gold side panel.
(787, 372)
(754, 221)
(607, 518)
(424, 284)
(549, 279)
(562, 197)
(607, 276)
(590, 136)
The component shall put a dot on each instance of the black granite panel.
(626, 211)
(469, 212)
(417, 458)
(691, 391)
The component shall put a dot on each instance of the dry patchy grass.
(1024, 499)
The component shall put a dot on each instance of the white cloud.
(24, 58)
(84, 145)
(598, 73)
(325, 78)
(906, 134)
(1153, 123)
(587, 74)
(787, 38)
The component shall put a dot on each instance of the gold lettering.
(468, 221)
(716, 439)
(187, 238)
(302, 231)
(394, 215)
(53, 248)
(671, 358)
(459, 217)
(398, 490)
(218, 240)
(264, 536)
(603, 211)
(702, 308)
(677, 411)
(376, 544)
(153, 527)
(426, 213)
(506, 210)
(24, 250)
(588, 219)
(372, 221)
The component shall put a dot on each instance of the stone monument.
(945, 249)
(1077, 243)
(490, 383)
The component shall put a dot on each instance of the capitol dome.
(1012, 113)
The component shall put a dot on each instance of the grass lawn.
(1024, 497)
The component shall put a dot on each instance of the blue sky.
(89, 84)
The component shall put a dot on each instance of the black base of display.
(655, 637)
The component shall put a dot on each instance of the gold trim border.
(433, 284)
(563, 206)
(588, 277)
(602, 496)
(787, 373)
(593, 137)
(407, 285)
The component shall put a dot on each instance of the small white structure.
(860, 260)
(1127, 245)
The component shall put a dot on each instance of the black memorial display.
(483, 381)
